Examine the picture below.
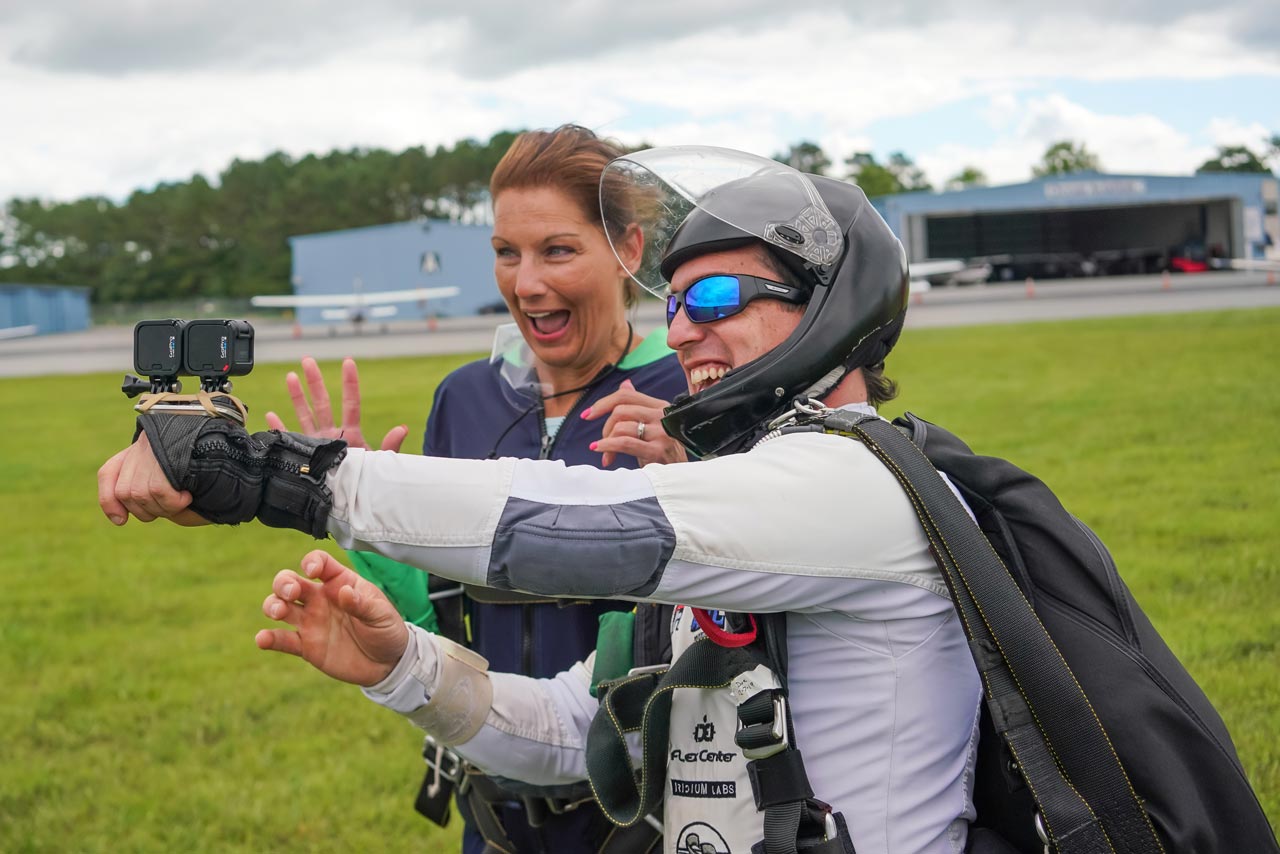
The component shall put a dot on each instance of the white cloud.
(317, 75)
(1143, 144)
(1132, 143)
(1231, 131)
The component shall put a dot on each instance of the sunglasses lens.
(673, 306)
(712, 298)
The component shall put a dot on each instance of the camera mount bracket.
(215, 404)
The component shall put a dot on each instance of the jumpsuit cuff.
(402, 691)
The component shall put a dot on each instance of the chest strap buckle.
(762, 725)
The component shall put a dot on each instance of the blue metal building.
(1092, 223)
(397, 256)
(41, 309)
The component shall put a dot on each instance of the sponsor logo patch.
(704, 788)
(705, 731)
(702, 756)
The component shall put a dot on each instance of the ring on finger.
(640, 431)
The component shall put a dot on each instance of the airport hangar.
(1084, 223)
(1089, 223)
(42, 309)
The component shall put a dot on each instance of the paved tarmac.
(110, 348)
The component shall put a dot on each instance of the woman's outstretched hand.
(316, 418)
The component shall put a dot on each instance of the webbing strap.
(642, 703)
(1084, 795)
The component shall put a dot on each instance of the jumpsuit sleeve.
(735, 533)
(535, 731)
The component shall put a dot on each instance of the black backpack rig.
(1094, 737)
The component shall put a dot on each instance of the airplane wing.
(949, 271)
(1269, 266)
(937, 267)
(18, 331)
(352, 299)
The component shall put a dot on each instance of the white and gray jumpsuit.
(884, 694)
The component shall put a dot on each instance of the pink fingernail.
(586, 413)
(593, 445)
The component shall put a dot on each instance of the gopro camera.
(159, 347)
(212, 350)
(217, 349)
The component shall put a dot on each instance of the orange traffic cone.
(1166, 281)
(1271, 277)
(431, 323)
(297, 329)
(1031, 287)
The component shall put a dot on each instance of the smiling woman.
(585, 390)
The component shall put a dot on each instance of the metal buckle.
(442, 760)
(778, 729)
(560, 806)
(801, 408)
(1041, 832)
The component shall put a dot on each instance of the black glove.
(278, 478)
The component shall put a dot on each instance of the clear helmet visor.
(659, 188)
(514, 359)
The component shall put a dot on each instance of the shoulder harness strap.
(1086, 801)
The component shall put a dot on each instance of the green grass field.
(138, 715)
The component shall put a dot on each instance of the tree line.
(227, 238)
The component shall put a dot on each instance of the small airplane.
(18, 331)
(1270, 265)
(946, 271)
(357, 306)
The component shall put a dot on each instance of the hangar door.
(1105, 241)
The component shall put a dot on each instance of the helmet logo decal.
(812, 234)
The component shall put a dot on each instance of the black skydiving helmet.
(694, 200)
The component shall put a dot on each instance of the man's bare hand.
(345, 627)
(316, 418)
(132, 483)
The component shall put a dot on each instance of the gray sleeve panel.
(593, 550)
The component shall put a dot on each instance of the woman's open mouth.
(548, 324)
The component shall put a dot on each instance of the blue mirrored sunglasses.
(720, 296)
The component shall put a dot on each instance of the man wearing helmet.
(782, 288)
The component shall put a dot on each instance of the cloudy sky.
(105, 98)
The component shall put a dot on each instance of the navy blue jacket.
(474, 417)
